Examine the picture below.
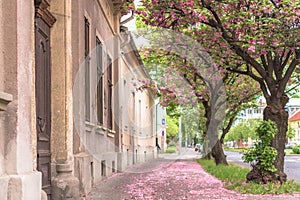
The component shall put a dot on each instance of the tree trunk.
(212, 146)
(275, 111)
(207, 156)
(218, 154)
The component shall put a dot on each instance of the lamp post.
(179, 134)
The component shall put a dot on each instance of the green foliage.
(234, 178)
(193, 123)
(243, 131)
(288, 151)
(263, 155)
(238, 132)
(290, 132)
(173, 110)
(171, 149)
(296, 149)
(172, 144)
(240, 150)
(172, 129)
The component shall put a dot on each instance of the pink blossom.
(154, 1)
(251, 49)
(263, 52)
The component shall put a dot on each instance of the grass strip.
(234, 178)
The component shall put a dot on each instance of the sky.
(131, 24)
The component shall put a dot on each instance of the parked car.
(291, 145)
(198, 147)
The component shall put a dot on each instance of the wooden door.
(43, 102)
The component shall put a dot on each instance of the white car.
(291, 145)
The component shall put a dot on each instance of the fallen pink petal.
(165, 179)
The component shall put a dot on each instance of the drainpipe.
(133, 132)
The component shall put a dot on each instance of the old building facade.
(137, 108)
(62, 121)
(18, 176)
(95, 50)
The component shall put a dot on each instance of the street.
(291, 167)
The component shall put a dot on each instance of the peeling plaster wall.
(92, 143)
(18, 178)
(2, 81)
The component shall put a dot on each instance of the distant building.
(251, 113)
(257, 112)
(136, 108)
(161, 126)
(294, 122)
(293, 106)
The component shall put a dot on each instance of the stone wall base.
(141, 154)
(21, 186)
(90, 169)
(83, 171)
(65, 185)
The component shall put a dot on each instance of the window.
(99, 49)
(109, 96)
(87, 68)
(103, 168)
(113, 167)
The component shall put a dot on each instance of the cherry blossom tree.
(240, 90)
(257, 38)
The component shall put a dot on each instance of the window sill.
(5, 99)
(100, 130)
(111, 133)
(89, 126)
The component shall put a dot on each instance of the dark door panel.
(43, 102)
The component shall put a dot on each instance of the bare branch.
(270, 63)
(287, 75)
(287, 57)
(264, 62)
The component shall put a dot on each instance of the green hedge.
(172, 144)
(296, 149)
(171, 149)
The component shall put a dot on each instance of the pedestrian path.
(165, 179)
(183, 154)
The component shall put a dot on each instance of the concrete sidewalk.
(167, 179)
(183, 154)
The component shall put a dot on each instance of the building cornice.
(41, 11)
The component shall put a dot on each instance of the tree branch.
(287, 75)
(264, 62)
(287, 57)
(270, 63)
(239, 51)
(227, 128)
